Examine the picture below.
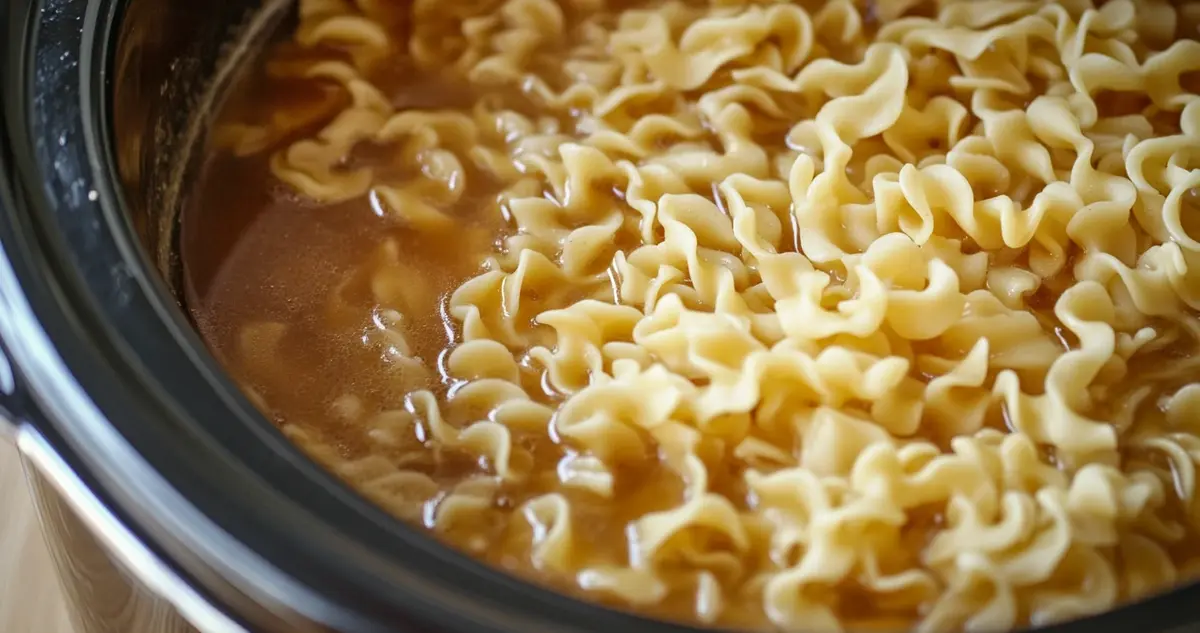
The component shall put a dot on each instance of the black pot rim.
(120, 384)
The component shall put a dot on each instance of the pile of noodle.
(892, 303)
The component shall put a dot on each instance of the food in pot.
(802, 316)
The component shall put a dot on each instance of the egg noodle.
(832, 313)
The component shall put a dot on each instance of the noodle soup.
(822, 316)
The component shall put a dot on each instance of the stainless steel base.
(113, 583)
(102, 595)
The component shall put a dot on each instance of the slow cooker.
(170, 504)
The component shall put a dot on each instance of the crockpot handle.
(11, 408)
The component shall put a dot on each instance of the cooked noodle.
(789, 316)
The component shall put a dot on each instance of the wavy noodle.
(880, 313)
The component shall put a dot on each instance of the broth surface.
(863, 316)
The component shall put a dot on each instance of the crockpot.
(169, 503)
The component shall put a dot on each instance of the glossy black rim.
(174, 444)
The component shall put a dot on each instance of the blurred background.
(30, 598)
